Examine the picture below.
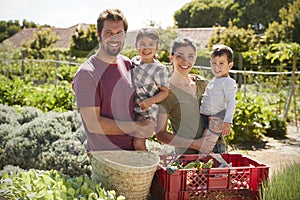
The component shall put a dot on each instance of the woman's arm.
(166, 137)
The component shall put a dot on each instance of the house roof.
(64, 34)
(199, 35)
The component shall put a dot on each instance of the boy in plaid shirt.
(150, 79)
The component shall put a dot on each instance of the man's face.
(112, 37)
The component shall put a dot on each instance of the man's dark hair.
(111, 14)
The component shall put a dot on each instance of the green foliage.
(8, 115)
(84, 42)
(204, 13)
(258, 13)
(58, 96)
(275, 33)
(285, 184)
(239, 39)
(43, 40)
(28, 114)
(207, 13)
(284, 52)
(167, 36)
(276, 128)
(8, 28)
(37, 184)
(253, 118)
(248, 121)
(66, 73)
(291, 21)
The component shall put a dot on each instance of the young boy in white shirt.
(219, 97)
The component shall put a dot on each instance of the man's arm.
(103, 125)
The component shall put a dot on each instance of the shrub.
(28, 114)
(276, 128)
(50, 141)
(248, 125)
(8, 115)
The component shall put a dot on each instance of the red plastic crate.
(241, 181)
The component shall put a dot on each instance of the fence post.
(240, 76)
(22, 62)
(57, 59)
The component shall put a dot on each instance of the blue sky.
(66, 13)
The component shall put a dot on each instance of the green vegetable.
(197, 164)
(43, 185)
(209, 164)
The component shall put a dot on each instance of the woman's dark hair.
(111, 14)
(182, 42)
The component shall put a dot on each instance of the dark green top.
(183, 111)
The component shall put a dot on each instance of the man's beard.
(111, 51)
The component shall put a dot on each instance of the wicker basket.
(129, 173)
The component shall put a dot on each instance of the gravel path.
(277, 153)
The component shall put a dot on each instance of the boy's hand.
(226, 128)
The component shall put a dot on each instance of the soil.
(275, 153)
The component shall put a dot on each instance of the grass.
(284, 185)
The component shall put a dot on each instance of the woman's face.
(183, 59)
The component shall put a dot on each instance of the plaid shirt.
(147, 79)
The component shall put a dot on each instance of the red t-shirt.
(109, 86)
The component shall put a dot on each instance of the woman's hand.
(145, 104)
(145, 128)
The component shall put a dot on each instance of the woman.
(181, 106)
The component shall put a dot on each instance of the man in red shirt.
(104, 91)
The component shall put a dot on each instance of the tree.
(259, 13)
(288, 28)
(42, 41)
(207, 13)
(290, 18)
(29, 24)
(8, 28)
(201, 13)
(11, 27)
(239, 39)
(83, 42)
(286, 52)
